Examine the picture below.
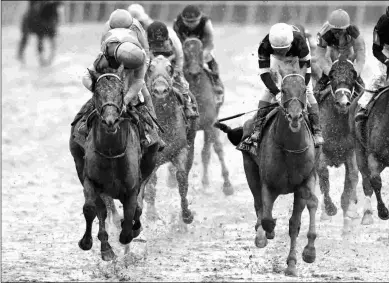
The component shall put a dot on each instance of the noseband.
(120, 109)
(344, 90)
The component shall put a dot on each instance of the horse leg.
(22, 46)
(309, 253)
(180, 162)
(254, 181)
(294, 229)
(218, 147)
(150, 195)
(89, 210)
(78, 156)
(376, 168)
(107, 253)
(113, 214)
(329, 208)
(171, 180)
(42, 61)
(349, 196)
(53, 51)
(267, 221)
(206, 155)
(130, 204)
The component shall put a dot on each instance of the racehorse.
(339, 145)
(283, 163)
(41, 19)
(201, 86)
(111, 165)
(179, 134)
(372, 149)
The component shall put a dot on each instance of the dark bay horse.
(111, 163)
(284, 163)
(179, 134)
(201, 87)
(339, 145)
(372, 151)
(41, 19)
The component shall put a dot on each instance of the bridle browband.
(343, 89)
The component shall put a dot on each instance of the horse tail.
(234, 135)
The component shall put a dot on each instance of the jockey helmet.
(191, 13)
(120, 18)
(281, 35)
(131, 55)
(137, 11)
(339, 19)
(157, 31)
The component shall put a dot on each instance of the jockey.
(381, 53)
(191, 22)
(121, 44)
(138, 12)
(340, 38)
(164, 41)
(284, 48)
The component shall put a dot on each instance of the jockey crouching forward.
(381, 53)
(191, 22)
(338, 37)
(120, 45)
(284, 48)
(164, 41)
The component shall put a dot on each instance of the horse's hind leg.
(112, 213)
(171, 180)
(22, 46)
(329, 208)
(218, 147)
(53, 51)
(294, 229)
(376, 168)
(107, 253)
(349, 196)
(78, 156)
(42, 61)
(206, 155)
(180, 161)
(89, 210)
(150, 195)
(130, 204)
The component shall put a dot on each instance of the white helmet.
(137, 11)
(281, 35)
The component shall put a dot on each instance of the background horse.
(111, 163)
(41, 19)
(338, 147)
(372, 151)
(285, 163)
(179, 136)
(201, 86)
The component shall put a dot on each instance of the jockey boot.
(218, 85)
(191, 111)
(359, 88)
(321, 83)
(259, 121)
(361, 114)
(313, 115)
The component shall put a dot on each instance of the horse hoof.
(187, 219)
(125, 239)
(228, 189)
(271, 235)
(291, 271)
(367, 218)
(260, 239)
(324, 216)
(383, 213)
(331, 209)
(309, 254)
(85, 244)
(108, 255)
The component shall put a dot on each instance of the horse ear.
(94, 74)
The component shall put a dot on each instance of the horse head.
(108, 96)
(193, 56)
(293, 99)
(159, 78)
(342, 79)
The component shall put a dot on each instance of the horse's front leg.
(294, 229)
(107, 253)
(206, 156)
(130, 204)
(22, 46)
(150, 195)
(40, 46)
(89, 210)
(268, 199)
(218, 147)
(180, 162)
(349, 196)
(329, 208)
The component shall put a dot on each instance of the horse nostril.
(348, 103)
(300, 116)
(289, 116)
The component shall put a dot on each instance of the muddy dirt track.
(42, 199)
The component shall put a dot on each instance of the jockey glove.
(387, 62)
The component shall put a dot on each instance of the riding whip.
(244, 113)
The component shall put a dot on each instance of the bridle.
(120, 109)
(293, 98)
(344, 90)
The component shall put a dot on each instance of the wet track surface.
(42, 198)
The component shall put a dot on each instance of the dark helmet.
(157, 31)
(301, 28)
(191, 13)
